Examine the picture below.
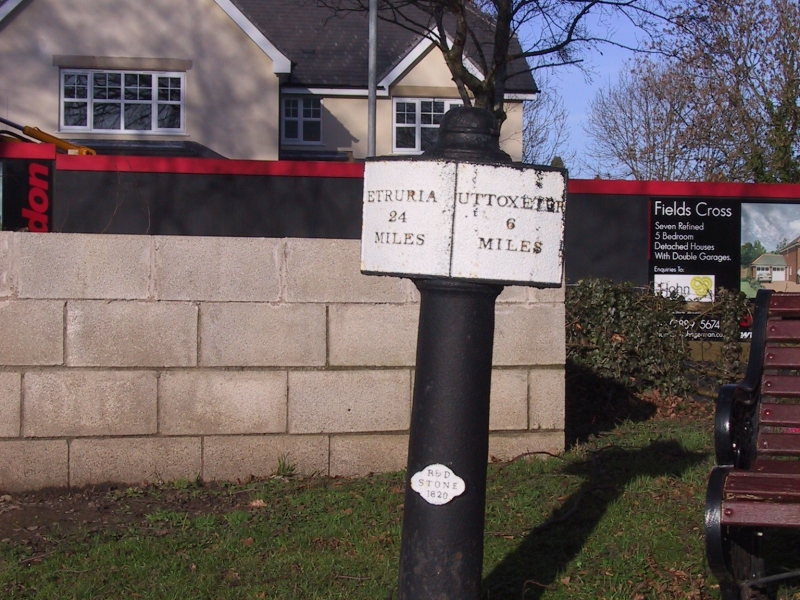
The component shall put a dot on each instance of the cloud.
(770, 223)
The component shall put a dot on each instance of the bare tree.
(743, 60)
(640, 127)
(546, 127)
(503, 37)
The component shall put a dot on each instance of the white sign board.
(437, 484)
(496, 223)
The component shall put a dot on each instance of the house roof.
(770, 260)
(330, 50)
(316, 48)
(793, 244)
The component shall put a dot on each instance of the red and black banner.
(27, 193)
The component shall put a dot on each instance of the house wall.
(345, 118)
(792, 264)
(137, 358)
(231, 91)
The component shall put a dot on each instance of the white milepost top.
(496, 223)
(408, 217)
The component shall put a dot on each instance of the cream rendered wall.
(430, 71)
(231, 91)
(345, 119)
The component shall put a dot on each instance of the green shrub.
(627, 334)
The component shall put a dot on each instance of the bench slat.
(782, 357)
(783, 331)
(760, 514)
(776, 468)
(778, 444)
(780, 415)
(784, 304)
(746, 485)
(780, 385)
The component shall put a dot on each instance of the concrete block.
(229, 458)
(200, 402)
(358, 455)
(83, 403)
(66, 265)
(10, 397)
(134, 460)
(555, 295)
(27, 465)
(349, 401)
(255, 335)
(547, 398)
(509, 400)
(529, 334)
(6, 264)
(373, 334)
(32, 332)
(506, 446)
(513, 293)
(218, 269)
(131, 334)
(330, 271)
(410, 291)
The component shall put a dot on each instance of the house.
(791, 254)
(768, 268)
(245, 79)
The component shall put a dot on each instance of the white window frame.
(154, 101)
(418, 126)
(302, 118)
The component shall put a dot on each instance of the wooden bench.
(756, 484)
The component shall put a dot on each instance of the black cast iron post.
(442, 545)
(461, 221)
(441, 556)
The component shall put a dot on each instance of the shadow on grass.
(595, 404)
(548, 549)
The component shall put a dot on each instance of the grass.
(617, 517)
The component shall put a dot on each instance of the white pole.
(373, 76)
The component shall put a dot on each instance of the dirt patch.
(38, 519)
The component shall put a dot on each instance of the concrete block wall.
(134, 358)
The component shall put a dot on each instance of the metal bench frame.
(757, 444)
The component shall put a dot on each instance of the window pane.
(405, 113)
(169, 116)
(169, 89)
(139, 116)
(138, 86)
(429, 137)
(291, 109)
(405, 137)
(106, 116)
(290, 130)
(431, 112)
(107, 86)
(312, 108)
(75, 85)
(75, 114)
(312, 131)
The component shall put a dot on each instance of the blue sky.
(578, 88)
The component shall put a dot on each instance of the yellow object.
(39, 135)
